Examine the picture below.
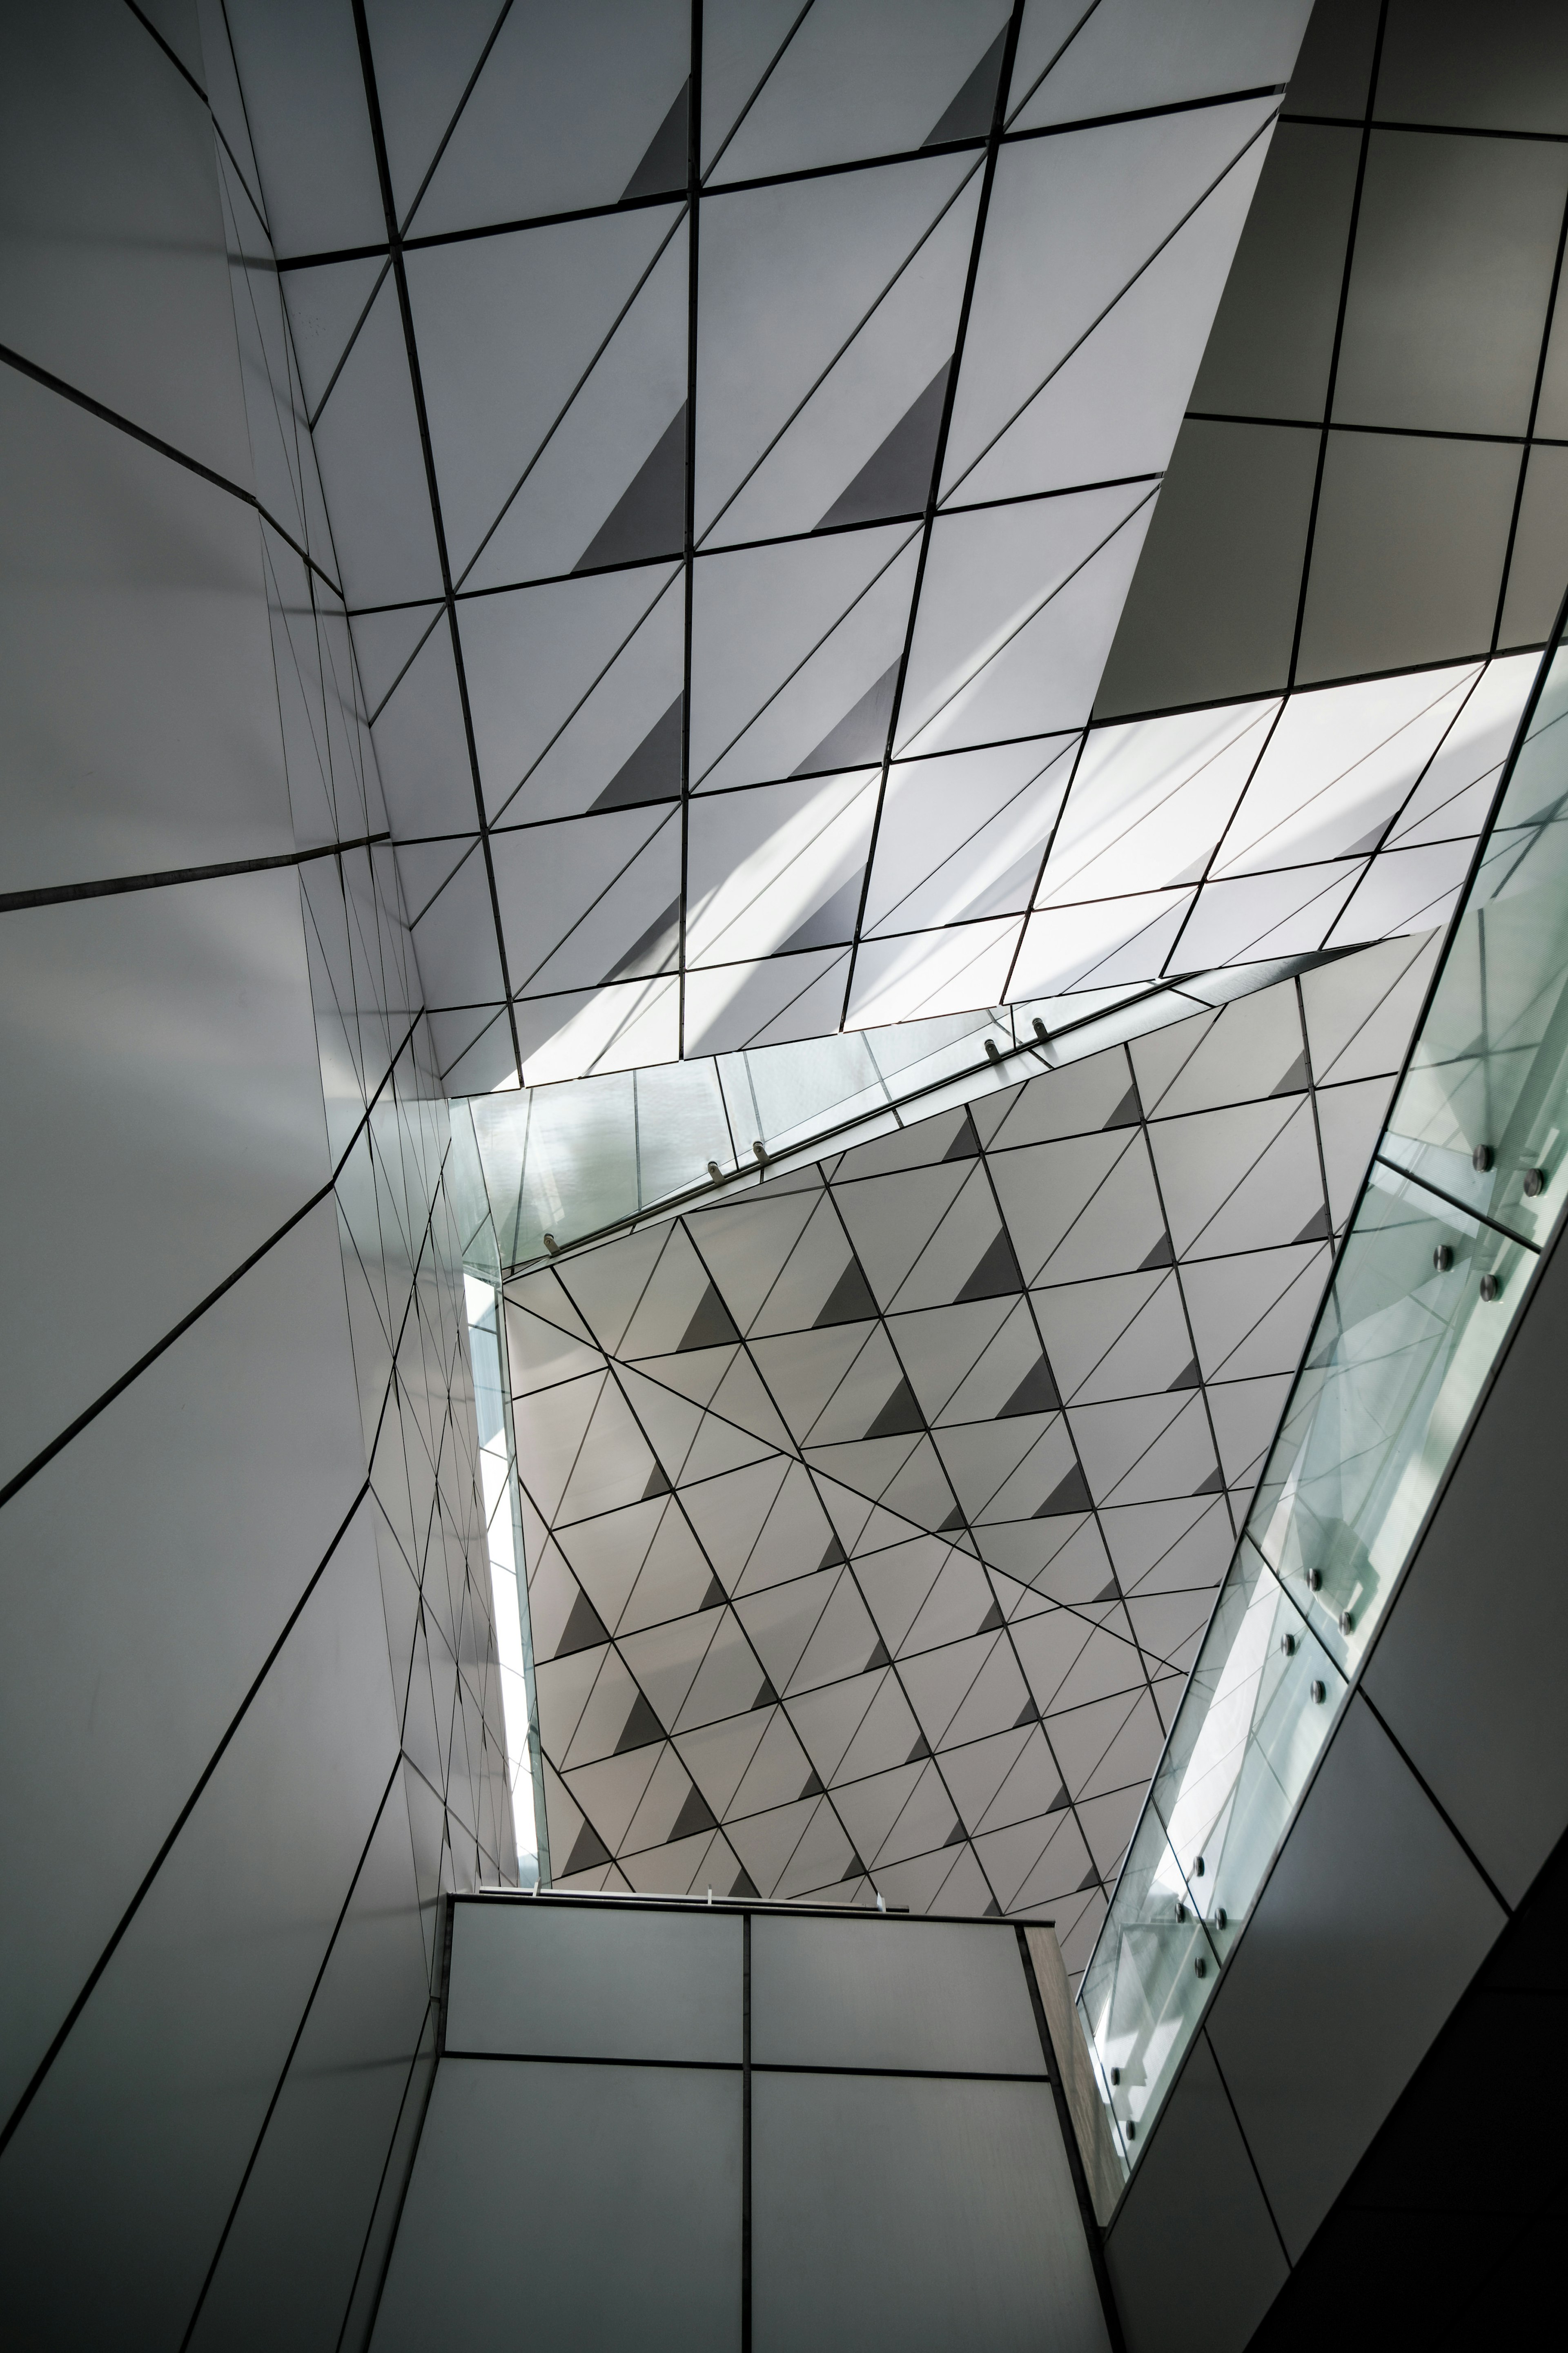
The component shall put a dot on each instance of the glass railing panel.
(1465, 1188)
(680, 1126)
(1483, 1111)
(1148, 1983)
(1421, 1302)
(1265, 1695)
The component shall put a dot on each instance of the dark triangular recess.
(1030, 1714)
(1129, 1111)
(715, 1597)
(813, 1785)
(1318, 1227)
(1160, 1255)
(1035, 1393)
(879, 1657)
(1368, 842)
(640, 1728)
(896, 478)
(861, 738)
(649, 516)
(965, 1144)
(833, 923)
(992, 1619)
(953, 1522)
(1061, 1802)
(1295, 1081)
(655, 952)
(694, 1815)
(968, 116)
(856, 1868)
(921, 1748)
(588, 1850)
(743, 1886)
(849, 1300)
(992, 1910)
(664, 166)
(652, 773)
(834, 1557)
(1112, 1592)
(1189, 1377)
(767, 1696)
(1072, 1495)
(997, 1273)
(957, 1834)
(900, 1416)
(585, 1627)
(657, 1484)
(1090, 1879)
(1213, 1484)
(710, 1327)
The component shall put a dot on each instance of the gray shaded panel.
(875, 1992)
(1212, 609)
(887, 2211)
(1469, 1670)
(1370, 1927)
(595, 1981)
(1195, 2260)
(133, 633)
(1333, 68)
(1498, 69)
(1538, 568)
(161, 1553)
(314, 2188)
(112, 270)
(1268, 351)
(1455, 244)
(116, 2187)
(1407, 555)
(159, 1060)
(570, 2206)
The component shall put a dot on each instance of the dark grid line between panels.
(378, 250)
(107, 415)
(1535, 392)
(939, 458)
(55, 894)
(186, 76)
(1335, 349)
(689, 499)
(383, 176)
(786, 538)
(1381, 432)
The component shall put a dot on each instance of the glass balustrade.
(1466, 1187)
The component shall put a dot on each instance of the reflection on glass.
(1421, 1302)
(1482, 1112)
(571, 1160)
(1467, 1183)
(1240, 1755)
(1145, 1989)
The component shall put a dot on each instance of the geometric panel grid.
(873, 1520)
